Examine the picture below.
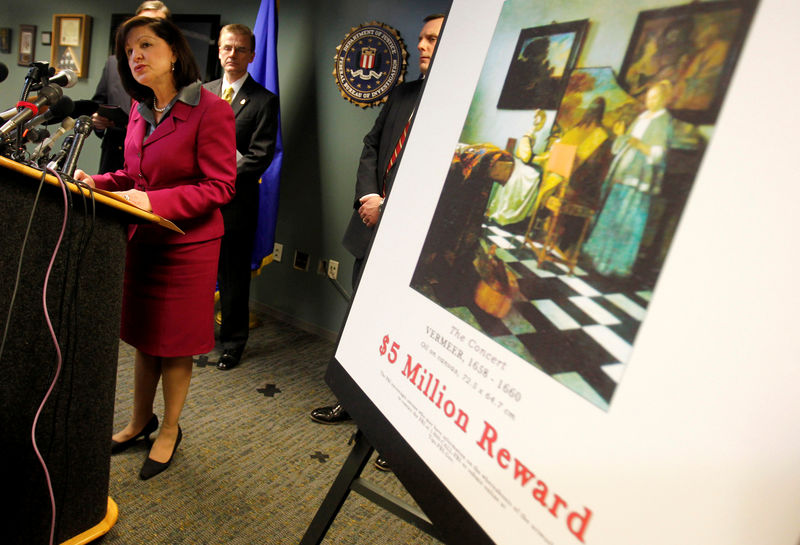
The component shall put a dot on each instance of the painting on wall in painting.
(694, 47)
(540, 65)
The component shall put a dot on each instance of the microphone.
(59, 110)
(66, 78)
(83, 127)
(57, 158)
(3, 71)
(48, 95)
(35, 135)
(8, 114)
(66, 125)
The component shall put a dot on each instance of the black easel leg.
(339, 491)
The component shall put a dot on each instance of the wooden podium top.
(106, 197)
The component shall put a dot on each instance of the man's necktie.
(227, 96)
(396, 153)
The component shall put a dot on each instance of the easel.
(349, 479)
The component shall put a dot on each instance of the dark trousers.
(358, 266)
(233, 276)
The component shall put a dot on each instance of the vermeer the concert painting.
(569, 178)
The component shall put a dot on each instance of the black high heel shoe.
(151, 468)
(149, 428)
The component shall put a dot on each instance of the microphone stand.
(35, 79)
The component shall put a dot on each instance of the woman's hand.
(137, 198)
(81, 176)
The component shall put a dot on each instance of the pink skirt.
(168, 298)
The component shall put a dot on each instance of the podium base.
(100, 529)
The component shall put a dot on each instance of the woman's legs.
(176, 375)
(147, 372)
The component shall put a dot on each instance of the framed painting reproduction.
(540, 66)
(5, 40)
(27, 44)
(70, 43)
(694, 47)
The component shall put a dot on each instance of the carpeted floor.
(252, 467)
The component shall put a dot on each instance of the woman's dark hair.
(185, 70)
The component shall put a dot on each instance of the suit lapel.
(215, 87)
(242, 98)
(180, 112)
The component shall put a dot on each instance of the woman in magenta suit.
(180, 164)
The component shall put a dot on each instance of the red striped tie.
(397, 149)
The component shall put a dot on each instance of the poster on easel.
(571, 309)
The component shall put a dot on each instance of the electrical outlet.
(277, 252)
(322, 267)
(301, 260)
(333, 269)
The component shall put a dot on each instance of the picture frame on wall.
(27, 44)
(540, 67)
(47, 38)
(5, 40)
(71, 41)
(694, 47)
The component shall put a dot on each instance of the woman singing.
(180, 164)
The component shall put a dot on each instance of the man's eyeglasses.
(239, 50)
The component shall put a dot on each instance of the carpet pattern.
(252, 466)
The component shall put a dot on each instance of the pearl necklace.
(156, 108)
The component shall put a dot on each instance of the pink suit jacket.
(187, 166)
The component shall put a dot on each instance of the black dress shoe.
(150, 427)
(382, 463)
(151, 468)
(330, 415)
(229, 359)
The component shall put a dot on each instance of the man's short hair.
(433, 16)
(154, 5)
(241, 30)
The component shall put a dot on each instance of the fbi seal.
(369, 62)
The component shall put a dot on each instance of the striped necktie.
(396, 153)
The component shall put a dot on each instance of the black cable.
(19, 264)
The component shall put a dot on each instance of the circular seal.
(369, 62)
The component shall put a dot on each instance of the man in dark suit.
(256, 112)
(110, 92)
(376, 172)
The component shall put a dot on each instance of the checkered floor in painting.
(578, 328)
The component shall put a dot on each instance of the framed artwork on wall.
(5, 40)
(27, 44)
(71, 42)
(47, 38)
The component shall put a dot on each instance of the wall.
(322, 132)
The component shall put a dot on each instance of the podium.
(84, 294)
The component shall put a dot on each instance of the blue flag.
(264, 70)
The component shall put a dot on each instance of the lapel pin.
(242, 101)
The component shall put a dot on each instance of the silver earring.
(173, 66)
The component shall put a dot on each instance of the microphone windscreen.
(84, 107)
(3, 71)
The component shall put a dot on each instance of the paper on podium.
(158, 219)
